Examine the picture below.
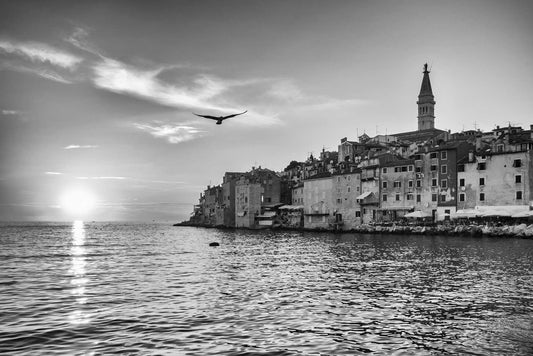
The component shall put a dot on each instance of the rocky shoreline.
(520, 230)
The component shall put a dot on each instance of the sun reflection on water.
(78, 281)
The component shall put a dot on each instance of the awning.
(363, 196)
(397, 208)
(500, 210)
(525, 214)
(417, 214)
(465, 214)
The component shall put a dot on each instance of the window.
(357, 214)
(444, 155)
(481, 196)
(384, 170)
(418, 169)
(460, 168)
(433, 167)
(410, 168)
(443, 198)
(349, 189)
(397, 197)
(482, 166)
(443, 169)
(385, 185)
(384, 197)
(444, 184)
(499, 148)
(404, 168)
(518, 178)
(462, 197)
(519, 195)
(418, 183)
(433, 155)
(433, 197)
(410, 184)
(409, 196)
(481, 181)
(462, 182)
(418, 157)
(434, 182)
(418, 198)
(517, 163)
(364, 210)
(397, 184)
(396, 169)
(339, 201)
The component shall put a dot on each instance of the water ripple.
(152, 289)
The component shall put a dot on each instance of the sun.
(77, 202)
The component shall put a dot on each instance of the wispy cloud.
(53, 173)
(119, 77)
(10, 112)
(102, 178)
(72, 147)
(41, 71)
(40, 53)
(171, 132)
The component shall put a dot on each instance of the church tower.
(426, 104)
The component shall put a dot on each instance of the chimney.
(471, 156)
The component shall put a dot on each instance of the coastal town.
(428, 177)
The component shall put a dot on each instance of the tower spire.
(426, 103)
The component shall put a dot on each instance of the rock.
(213, 244)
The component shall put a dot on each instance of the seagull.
(220, 118)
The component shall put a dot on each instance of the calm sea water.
(95, 288)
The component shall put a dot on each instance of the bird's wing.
(227, 117)
(207, 116)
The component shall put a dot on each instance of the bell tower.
(426, 103)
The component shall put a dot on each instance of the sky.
(97, 97)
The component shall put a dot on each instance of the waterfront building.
(443, 172)
(247, 202)
(492, 179)
(318, 201)
(346, 187)
(398, 192)
(212, 211)
(228, 190)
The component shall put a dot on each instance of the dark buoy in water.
(214, 244)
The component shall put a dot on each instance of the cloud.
(102, 178)
(46, 73)
(119, 77)
(71, 147)
(10, 112)
(172, 132)
(53, 173)
(40, 53)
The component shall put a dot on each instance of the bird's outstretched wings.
(207, 116)
(220, 118)
(227, 117)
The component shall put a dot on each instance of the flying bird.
(219, 119)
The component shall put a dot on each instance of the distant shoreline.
(520, 230)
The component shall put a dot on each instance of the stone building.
(495, 179)
(398, 191)
(247, 202)
(346, 188)
(318, 201)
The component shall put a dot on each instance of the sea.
(89, 288)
